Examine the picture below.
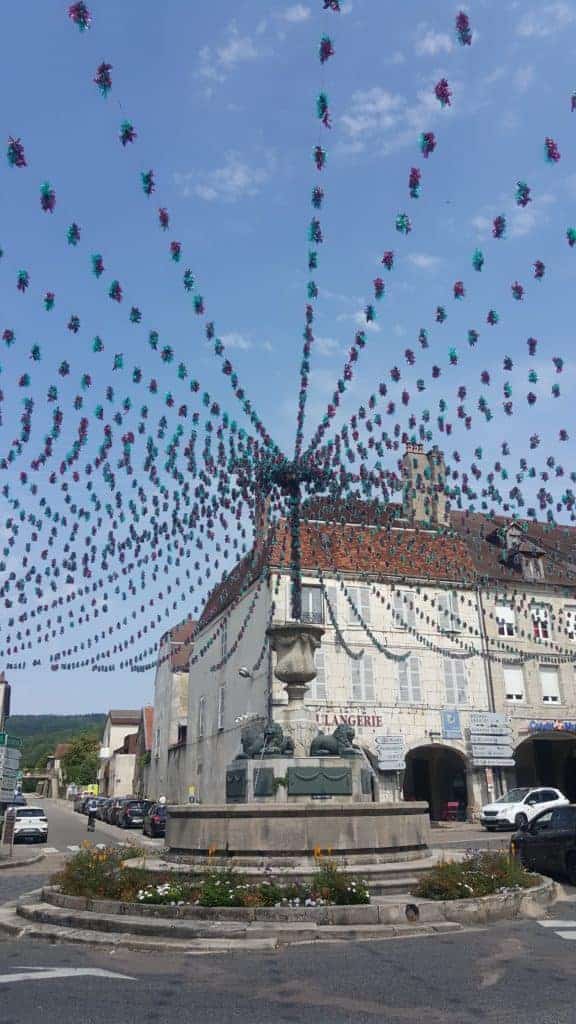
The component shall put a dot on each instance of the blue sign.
(451, 728)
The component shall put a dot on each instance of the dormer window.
(532, 566)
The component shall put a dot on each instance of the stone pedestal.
(295, 644)
(297, 780)
(298, 722)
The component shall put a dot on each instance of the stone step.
(136, 932)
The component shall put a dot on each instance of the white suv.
(30, 823)
(517, 807)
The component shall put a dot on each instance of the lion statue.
(339, 744)
(265, 741)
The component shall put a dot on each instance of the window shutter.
(409, 610)
(454, 614)
(332, 595)
(220, 713)
(399, 618)
(450, 682)
(365, 603)
(443, 602)
(461, 681)
(414, 664)
(550, 684)
(514, 682)
(353, 595)
(369, 692)
(319, 691)
(403, 684)
(356, 681)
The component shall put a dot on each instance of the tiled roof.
(61, 750)
(124, 717)
(482, 536)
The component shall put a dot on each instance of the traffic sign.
(9, 741)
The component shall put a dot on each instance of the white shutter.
(454, 615)
(319, 690)
(365, 603)
(550, 684)
(399, 616)
(414, 670)
(450, 682)
(332, 595)
(505, 619)
(403, 683)
(461, 680)
(409, 610)
(356, 681)
(220, 712)
(514, 682)
(443, 602)
(353, 595)
(369, 692)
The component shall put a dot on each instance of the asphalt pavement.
(506, 973)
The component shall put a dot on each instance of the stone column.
(294, 644)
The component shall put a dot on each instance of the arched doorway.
(437, 774)
(548, 759)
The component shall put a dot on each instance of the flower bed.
(480, 874)
(100, 874)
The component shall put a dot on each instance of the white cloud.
(359, 319)
(523, 78)
(430, 43)
(296, 14)
(235, 180)
(326, 346)
(377, 112)
(215, 64)
(522, 222)
(547, 20)
(424, 261)
(235, 340)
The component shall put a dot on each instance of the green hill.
(41, 734)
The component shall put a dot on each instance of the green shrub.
(332, 885)
(480, 874)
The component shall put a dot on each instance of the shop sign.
(451, 727)
(504, 762)
(552, 726)
(358, 718)
(391, 753)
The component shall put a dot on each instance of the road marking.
(73, 849)
(51, 973)
(51, 849)
(566, 935)
(557, 923)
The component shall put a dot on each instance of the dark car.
(547, 844)
(130, 814)
(112, 816)
(155, 821)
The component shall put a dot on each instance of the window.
(506, 620)
(570, 621)
(448, 620)
(318, 691)
(404, 611)
(564, 819)
(220, 708)
(550, 684)
(312, 605)
(541, 622)
(360, 598)
(409, 689)
(456, 681)
(532, 567)
(182, 735)
(201, 717)
(223, 639)
(514, 682)
(363, 679)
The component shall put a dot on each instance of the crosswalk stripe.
(557, 923)
(51, 849)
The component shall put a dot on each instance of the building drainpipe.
(489, 677)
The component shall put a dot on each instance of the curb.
(6, 865)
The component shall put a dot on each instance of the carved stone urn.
(295, 644)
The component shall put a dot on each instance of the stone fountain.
(293, 791)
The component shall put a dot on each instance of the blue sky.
(223, 97)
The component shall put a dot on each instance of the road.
(499, 975)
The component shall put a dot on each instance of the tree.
(80, 764)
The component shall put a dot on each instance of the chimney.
(424, 476)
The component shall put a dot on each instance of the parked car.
(155, 821)
(31, 824)
(78, 801)
(101, 802)
(116, 809)
(517, 807)
(547, 844)
(19, 800)
(130, 814)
